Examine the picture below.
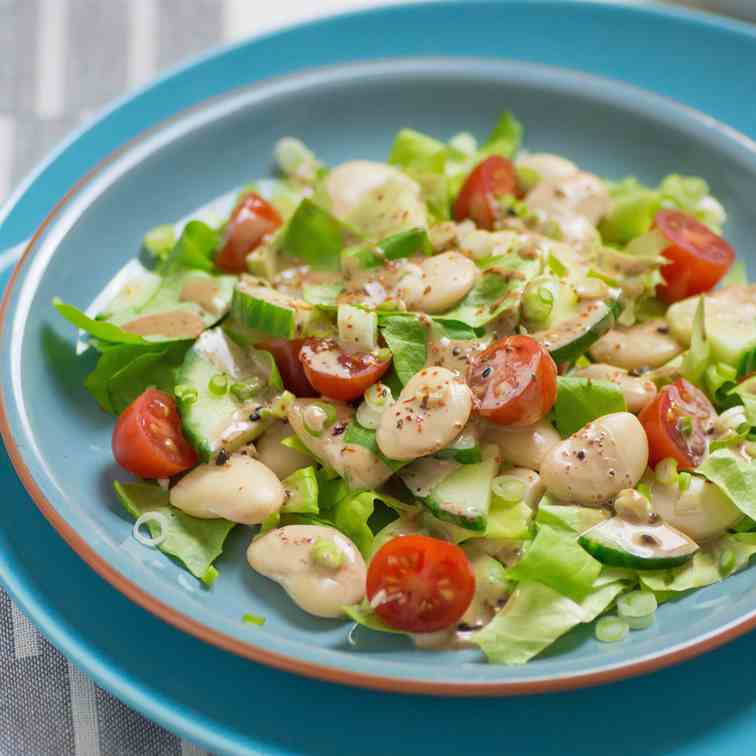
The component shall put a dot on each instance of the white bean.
(598, 461)
(580, 192)
(548, 167)
(645, 345)
(638, 392)
(285, 555)
(348, 183)
(356, 464)
(242, 490)
(444, 280)
(429, 414)
(279, 458)
(525, 447)
(702, 511)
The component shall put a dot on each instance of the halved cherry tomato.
(286, 355)
(675, 424)
(338, 374)
(250, 221)
(490, 180)
(699, 258)
(420, 584)
(514, 381)
(148, 440)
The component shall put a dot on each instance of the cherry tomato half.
(514, 381)
(491, 179)
(286, 355)
(420, 584)
(148, 440)
(338, 374)
(699, 258)
(675, 423)
(250, 221)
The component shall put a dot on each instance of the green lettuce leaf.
(314, 236)
(195, 249)
(698, 356)
(194, 542)
(356, 434)
(568, 516)
(496, 293)
(406, 338)
(734, 475)
(123, 372)
(506, 137)
(100, 329)
(705, 568)
(746, 392)
(555, 559)
(534, 617)
(581, 400)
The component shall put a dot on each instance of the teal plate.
(343, 111)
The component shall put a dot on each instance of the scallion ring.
(146, 519)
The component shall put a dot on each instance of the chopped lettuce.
(406, 338)
(635, 206)
(506, 137)
(159, 241)
(555, 559)
(705, 568)
(581, 400)
(497, 293)
(314, 236)
(698, 356)
(322, 295)
(364, 615)
(195, 249)
(194, 542)
(746, 392)
(569, 516)
(100, 329)
(534, 617)
(734, 475)
(123, 372)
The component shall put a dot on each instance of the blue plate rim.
(611, 90)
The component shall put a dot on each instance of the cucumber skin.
(469, 456)
(280, 323)
(579, 346)
(616, 558)
(477, 524)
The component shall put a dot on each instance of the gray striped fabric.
(61, 60)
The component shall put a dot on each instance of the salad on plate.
(472, 394)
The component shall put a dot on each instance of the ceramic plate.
(609, 128)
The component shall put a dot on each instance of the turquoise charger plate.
(222, 700)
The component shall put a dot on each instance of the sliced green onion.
(317, 417)
(685, 425)
(750, 448)
(383, 354)
(252, 619)
(281, 405)
(638, 609)
(295, 159)
(508, 488)
(666, 472)
(611, 629)
(245, 391)
(327, 554)
(186, 393)
(683, 481)
(369, 415)
(634, 505)
(218, 384)
(378, 396)
(644, 490)
(727, 562)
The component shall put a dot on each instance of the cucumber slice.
(264, 310)
(211, 421)
(572, 337)
(730, 322)
(464, 496)
(619, 543)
